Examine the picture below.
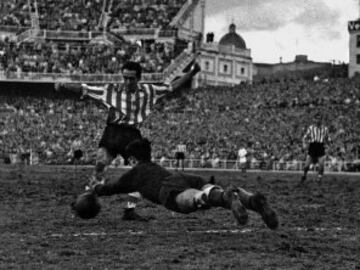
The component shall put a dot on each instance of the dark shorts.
(116, 137)
(174, 185)
(78, 154)
(25, 156)
(180, 155)
(316, 150)
(7, 160)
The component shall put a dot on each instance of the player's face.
(130, 80)
(318, 120)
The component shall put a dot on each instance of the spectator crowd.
(72, 58)
(85, 15)
(268, 119)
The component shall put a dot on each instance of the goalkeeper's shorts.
(174, 185)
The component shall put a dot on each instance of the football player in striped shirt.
(315, 138)
(129, 103)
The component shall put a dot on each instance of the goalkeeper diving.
(179, 192)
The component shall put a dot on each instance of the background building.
(227, 62)
(300, 67)
(354, 47)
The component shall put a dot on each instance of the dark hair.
(133, 66)
(140, 149)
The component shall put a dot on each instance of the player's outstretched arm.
(121, 186)
(95, 92)
(73, 87)
(178, 83)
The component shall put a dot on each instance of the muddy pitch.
(320, 226)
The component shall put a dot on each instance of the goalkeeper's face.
(130, 80)
(133, 161)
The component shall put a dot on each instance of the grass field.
(319, 226)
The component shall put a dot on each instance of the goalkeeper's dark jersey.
(146, 178)
(152, 181)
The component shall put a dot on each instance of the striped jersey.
(317, 134)
(181, 148)
(127, 107)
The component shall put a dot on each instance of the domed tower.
(233, 39)
(227, 62)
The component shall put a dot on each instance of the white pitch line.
(235, 231)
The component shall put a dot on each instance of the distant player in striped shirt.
(180, 156)
(315, 138)
(129, 104)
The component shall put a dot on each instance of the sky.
(285, 28)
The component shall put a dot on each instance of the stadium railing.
(176, 62)
(68, 35)
(230, 165)
(74, 78)
(182, 14)
(28, 34)
(34, 33)
(12, 29)
(135, 31)
(167, 33)
(142, 33)
(266, 166)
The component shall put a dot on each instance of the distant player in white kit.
(242, 153)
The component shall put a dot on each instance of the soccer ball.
(86, 205)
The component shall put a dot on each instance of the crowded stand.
(72, 58)
(68, 57)
(268, 119)
(69, 15)
(86, 15)
(143, 13)
(15, 13)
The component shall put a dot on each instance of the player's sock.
(258, 203)
(191, 200)
(214, 195)
(228, 199)
(232, 201)
(304, 176)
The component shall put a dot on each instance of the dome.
(233, 39)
